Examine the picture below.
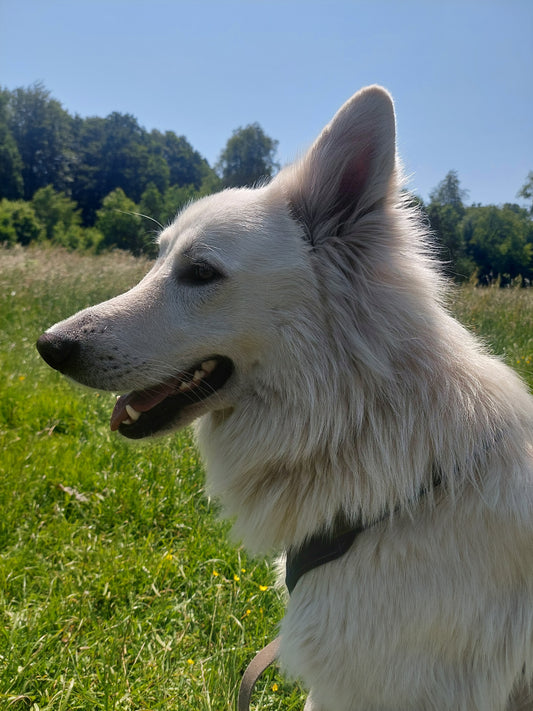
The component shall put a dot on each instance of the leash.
(317, 550)
(262, 660)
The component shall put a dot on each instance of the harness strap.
(262, 660)
(319, 549)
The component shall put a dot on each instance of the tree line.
(481, 243)
(100, 183)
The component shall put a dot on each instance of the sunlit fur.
(353, 386)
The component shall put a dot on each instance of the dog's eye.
(201, 273)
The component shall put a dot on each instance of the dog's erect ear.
(348, 170)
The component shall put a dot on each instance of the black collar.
(325, 546)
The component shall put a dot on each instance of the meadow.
(119, 587)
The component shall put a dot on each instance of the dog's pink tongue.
(140, 400)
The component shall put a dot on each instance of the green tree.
(498, 239)
(186, 166)
(88, 158)
(175, 199)
(210, 184)
(42, 130)
(449, 192)
(151, 204)
(157, 171)
(114, 152)
(160, 210)
(19, 223)
(87, 189)
(248, 157)
(56, 211)
(8, 233)
(445, 212)
(126, 162)
(120, 224)
(526, 191)
(61, 221)
(152, 211)
(11, 182)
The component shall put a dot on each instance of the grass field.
(118, 587)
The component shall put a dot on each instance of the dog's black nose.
(57, 350)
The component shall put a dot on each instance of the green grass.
(118, 587)
(504, 320)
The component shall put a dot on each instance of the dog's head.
(185, 339)
(246, 279)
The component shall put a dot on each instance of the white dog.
(302, 323)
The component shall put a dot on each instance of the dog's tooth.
(132, 412)
(186, 385)
(208, 366)
(127, 422)
(199, 375)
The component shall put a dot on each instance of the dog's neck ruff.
(326, 546)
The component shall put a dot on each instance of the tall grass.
(503, 318)
(118, 587)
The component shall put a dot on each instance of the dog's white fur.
(352, 386)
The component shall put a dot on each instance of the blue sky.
(461, 73)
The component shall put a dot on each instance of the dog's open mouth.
(161, 407)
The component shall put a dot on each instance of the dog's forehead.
(226, 219)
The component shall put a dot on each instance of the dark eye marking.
(200, 273)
